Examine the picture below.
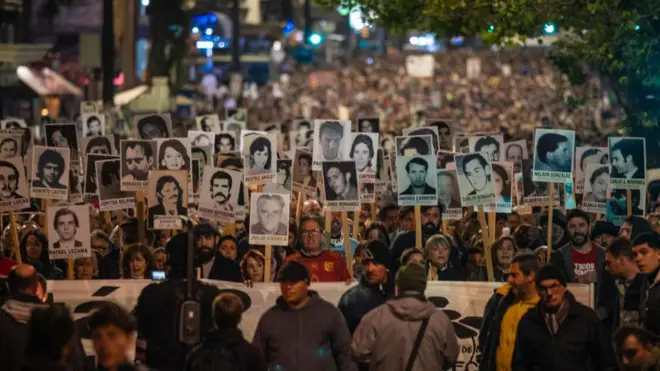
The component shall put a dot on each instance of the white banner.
(421, 66)
(463, 302)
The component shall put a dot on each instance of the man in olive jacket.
(303, 332)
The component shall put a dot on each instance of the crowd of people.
(384, 321)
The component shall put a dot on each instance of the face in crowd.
(311, 234)
(269, 212)
(66, 227)
(138, 163)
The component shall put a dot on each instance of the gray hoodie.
(386, 335)
(312, 338)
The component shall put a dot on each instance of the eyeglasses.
(309, 232)
(551, 288)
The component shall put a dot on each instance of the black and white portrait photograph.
(13, 123)
(617, 204)
(219, 193)
(627, 158)
(93, 125)
(199, 138)
(168, 199)
(596, 184)
(419, 145)
(364, 148)
(68, 232)
(301, 139)
(235, 126)
(236, 114)
(583, 157)
(154, 126)
(50, 173)
(108, 182)
(174, 154)
(10, 145)
(417, 180)
(103, 145)
(225, 142)
(448, 194)
(388, 144)
(303, 176)
(367, 192)
(515, 152)
(269, 219)
(284, 180)
(461, 144)
(504, 182)
(536, 193)
(259, 156)
(332, 141)
(76, 180)
(62, 136)
(418, 132)
(491, 144)
(137, 159)
(445, 134)
(14, 191)
(554, 151)
(209, 123)
(475, 179)
(204, 156)
(340, 181)
(368, 125)
(90, 187)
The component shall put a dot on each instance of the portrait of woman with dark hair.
(173, 155)
(363, 153)
(599, 180)
(502, 184)
(284, 179)
(260, 155)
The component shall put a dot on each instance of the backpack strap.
(418, 342)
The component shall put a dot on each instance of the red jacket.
(5, 266)
(327, 267)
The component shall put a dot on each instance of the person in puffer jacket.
(386, 336)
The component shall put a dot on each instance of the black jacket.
(650, 310)
(489, 334)
(218, 342)
(579, 345)
(157, 314)
(608, 300)
(14, 332)
(361, 299)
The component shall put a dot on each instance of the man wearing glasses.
(323, 264)
(560, 333)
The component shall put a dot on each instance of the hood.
(227, 338)
(411, 308)
(504, 290)
(314, 299)
(20, 310)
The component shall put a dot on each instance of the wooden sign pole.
(445, 227)
(328, 227)
(374, 212)
(551, 199)
(491, 226)
(418, 228)
(269, 263)
(139, 198)
(356, 224)
(299, 205)
(628, 202)
(347, 242)
(485, 239)
(14, 237)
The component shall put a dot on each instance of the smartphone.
(158, 275)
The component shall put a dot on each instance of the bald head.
(23, 278)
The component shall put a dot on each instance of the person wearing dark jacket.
(560, 334)
(157, 311)
(441, 268)
(225, 346)
(51, 335)
(375, 288)
(303, 332)
(112, 329)
(502, 252)
(15, 314)
(647, 257)
(504, 311)
(619, 292)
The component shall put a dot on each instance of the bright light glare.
(145, 2)
(204, 45)
(277, 46)
(414, 40)
(209, 31)
(315, 39)
(549, 28)
(195, 30)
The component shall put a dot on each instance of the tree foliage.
(619, 39)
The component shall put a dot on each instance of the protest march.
(374, 220)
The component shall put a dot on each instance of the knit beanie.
(602, 227)
(550, 272)
(411, 277)
(378, 252)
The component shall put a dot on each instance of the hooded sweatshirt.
(312, 338)
(386, 335)
(212, 352)
(15, 315)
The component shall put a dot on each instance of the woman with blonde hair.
(438, 251)
(253, 266)
(136, 262)
(87, 268)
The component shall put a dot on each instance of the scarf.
(554, 320)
